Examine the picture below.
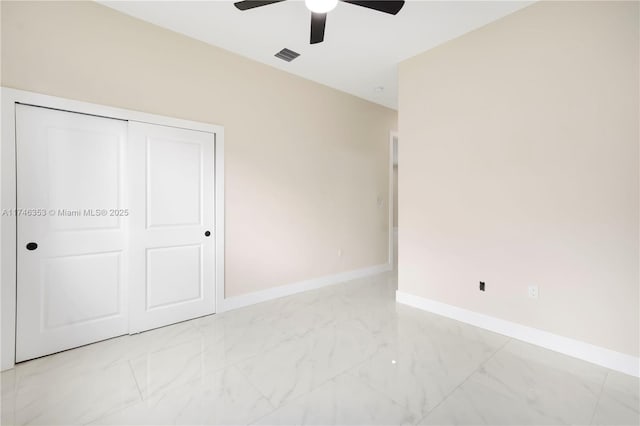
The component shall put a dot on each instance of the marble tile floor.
(341, 355)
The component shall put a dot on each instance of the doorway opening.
(393, 197)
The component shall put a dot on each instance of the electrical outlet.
(339, 252)
(533, 291)
(481, 285)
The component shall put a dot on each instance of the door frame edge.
(393, 135)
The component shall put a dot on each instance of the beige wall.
(304, 163)
(520, 166)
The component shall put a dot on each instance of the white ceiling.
(361, 48)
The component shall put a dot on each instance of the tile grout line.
(122, 407)
(293, 400)
(342, 373)
(255, 388)
(265, 397)
(248, 379)
(595, 408)
(466, 379)
(135, 380)
(302, 337)
(346, 372)
(376, 391)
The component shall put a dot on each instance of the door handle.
(207, 233)
(32, 246)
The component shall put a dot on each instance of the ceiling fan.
(320, 8)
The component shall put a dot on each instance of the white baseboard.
(585, 351)
(289, 289)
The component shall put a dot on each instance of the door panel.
(91, 155)
(174, 182)
(68, 300)
(172, 261)
(178, 265)
(71, 289)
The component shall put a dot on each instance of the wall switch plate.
(533, 291)
(339, 252)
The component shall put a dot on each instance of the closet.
(115, 227)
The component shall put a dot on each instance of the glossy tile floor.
(345, 354)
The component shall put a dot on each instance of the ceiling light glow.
(321, 6)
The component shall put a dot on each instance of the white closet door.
(71, 288)
(172, 216)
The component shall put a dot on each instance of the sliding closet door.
(172, 215)
(71, 259)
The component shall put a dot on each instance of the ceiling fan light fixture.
(321, 6)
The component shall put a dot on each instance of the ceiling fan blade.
(318, 22)
(392, 7)
(251, 4)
